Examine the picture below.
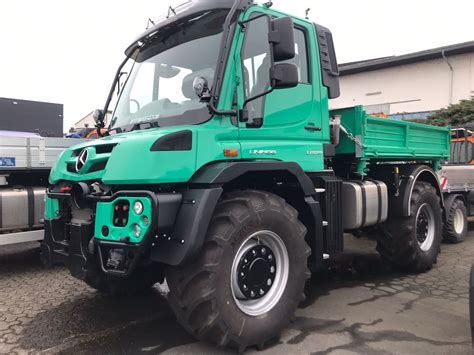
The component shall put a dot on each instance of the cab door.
(286, 123)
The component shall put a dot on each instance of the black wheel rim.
(256, 271)
(425, 227)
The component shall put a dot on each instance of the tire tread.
(396, 243)
(186, 293)
(449, 234)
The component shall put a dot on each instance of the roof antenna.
(306, 13)
(268, 4)
(150, 23)
(171, 10)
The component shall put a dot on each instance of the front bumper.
(81, 245)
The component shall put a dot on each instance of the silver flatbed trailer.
(25, 162)
(457, 184)
(457, 178)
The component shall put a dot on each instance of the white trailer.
(25, 162)
(457, 183)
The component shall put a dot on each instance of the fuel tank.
(365, 203)
(21, 208)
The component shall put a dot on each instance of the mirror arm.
(243, 117)
(258, 96)
(243, 23)
(217, 112)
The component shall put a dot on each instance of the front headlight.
(138, 207)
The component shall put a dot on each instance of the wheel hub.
(259, 273)
(422, 227)
(458, 221)
(256, 272)
(425, 227)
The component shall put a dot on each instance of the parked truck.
(25, 162)
(225, 173)
(457, 183)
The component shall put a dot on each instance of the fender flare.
(185, 239)
(224, 172)
(412, 173)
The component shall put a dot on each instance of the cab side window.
(256, 63)
(301, 58)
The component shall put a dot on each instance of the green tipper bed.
(386, 139)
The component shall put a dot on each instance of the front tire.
(412, 243)
(246, 283)
(455, 228)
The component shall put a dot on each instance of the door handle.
(311, 127)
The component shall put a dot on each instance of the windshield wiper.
(117, 129)
(151, 124)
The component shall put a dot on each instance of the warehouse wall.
(418, 87)
(43, 118)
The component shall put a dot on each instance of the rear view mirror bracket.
(244, 23)
(274, 37)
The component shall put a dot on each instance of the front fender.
(192, 221)
(224, 172)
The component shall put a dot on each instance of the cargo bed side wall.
(387, 139)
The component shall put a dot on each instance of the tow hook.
(117, 259)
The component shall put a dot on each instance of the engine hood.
(139, 157)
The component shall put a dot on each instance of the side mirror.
(284, 76)
(98, 116)
(282, 38)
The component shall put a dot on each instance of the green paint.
(287, 113)
(51, 208)
(132, 162)
(381, 139)
(105, 214)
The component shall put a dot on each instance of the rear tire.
(413, 243)
(224, 295)
(455, 228)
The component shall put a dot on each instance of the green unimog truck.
(224, 173)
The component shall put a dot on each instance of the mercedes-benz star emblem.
(82, 159)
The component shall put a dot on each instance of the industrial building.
(43, 118)
(409, 86)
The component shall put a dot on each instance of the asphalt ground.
(359, 306)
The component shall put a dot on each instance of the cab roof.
(187, 9)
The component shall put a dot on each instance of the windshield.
(160, 86)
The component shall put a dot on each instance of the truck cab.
(224, 172)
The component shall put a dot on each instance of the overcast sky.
(68, 51)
